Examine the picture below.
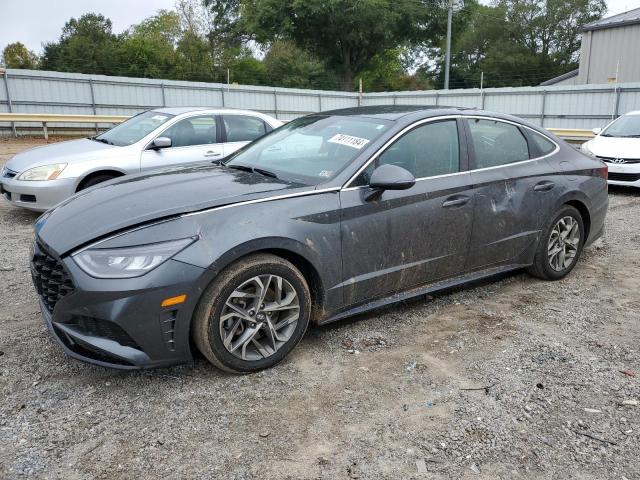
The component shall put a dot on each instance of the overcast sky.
(34, 22)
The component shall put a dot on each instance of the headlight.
(46, 172)
(586, 150)
(128, 262)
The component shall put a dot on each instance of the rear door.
(513, 192)
(409, 237)
(239, 130)
(193, 139)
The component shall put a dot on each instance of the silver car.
(42, 177)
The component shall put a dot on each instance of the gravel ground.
(510, 378)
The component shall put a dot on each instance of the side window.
(545, 146)
(426, 151)
(192, 131)
(497, 143)
(241, 128)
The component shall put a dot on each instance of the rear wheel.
(253, 314)
(560, 246)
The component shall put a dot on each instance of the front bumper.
(36, 196)
(627, 174)
(120, 323)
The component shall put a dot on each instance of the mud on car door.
(513, 192)
(409, 237)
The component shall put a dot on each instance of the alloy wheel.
(563, 244)
(259, 317)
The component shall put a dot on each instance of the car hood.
(615, 147)
(62, 152)
(136, 199)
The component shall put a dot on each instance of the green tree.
(347, 34)
(193, 59)
(515, 42)
(16, 55)
(87, 45)
(149, 48)
(286, 65)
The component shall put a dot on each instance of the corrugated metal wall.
(610, 53)
(579, 106)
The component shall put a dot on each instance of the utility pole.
(448, 54)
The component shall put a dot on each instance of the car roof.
(394, 112)
(184, 110)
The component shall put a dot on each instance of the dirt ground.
(511, 378)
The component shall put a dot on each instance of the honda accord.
(328, 216)
(40, 178)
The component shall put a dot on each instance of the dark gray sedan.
(330, 215)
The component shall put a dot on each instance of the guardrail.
(570, 134)
(45, 118)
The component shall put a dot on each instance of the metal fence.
(31, 91)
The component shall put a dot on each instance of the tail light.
(604, 171)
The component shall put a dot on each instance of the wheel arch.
(299, 254)
(580, 202)
(584, 213)
(94, 173)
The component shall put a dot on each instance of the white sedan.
(618, 144)
(42, 177)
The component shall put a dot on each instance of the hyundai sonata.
(330, 215)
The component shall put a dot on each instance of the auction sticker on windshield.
(348, 140)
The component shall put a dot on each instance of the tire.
(95, 180)
(545, 266)
(239, 280)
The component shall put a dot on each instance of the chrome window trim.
(448, 117)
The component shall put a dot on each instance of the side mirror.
(389, 177)
(161, 142)
(596, 131)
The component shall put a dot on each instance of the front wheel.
(560, 246)
(253, 314)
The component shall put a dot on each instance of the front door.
(194, 139)
(409, 237)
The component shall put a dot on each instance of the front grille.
(49, 277)
(6, 173)
(619, 160)
(95, 327)
(624, 177)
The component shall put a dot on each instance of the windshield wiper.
(101, 140)
(247, 168)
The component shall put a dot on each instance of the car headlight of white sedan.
(585, 148)
(44, 172)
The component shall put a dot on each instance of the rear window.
(497, 143)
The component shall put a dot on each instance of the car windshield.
(134, 129)
(625, 126)
(309, 150)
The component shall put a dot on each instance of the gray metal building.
(609, 53)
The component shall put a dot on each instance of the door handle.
(544, 186)
(212, 154)
(455, 202)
